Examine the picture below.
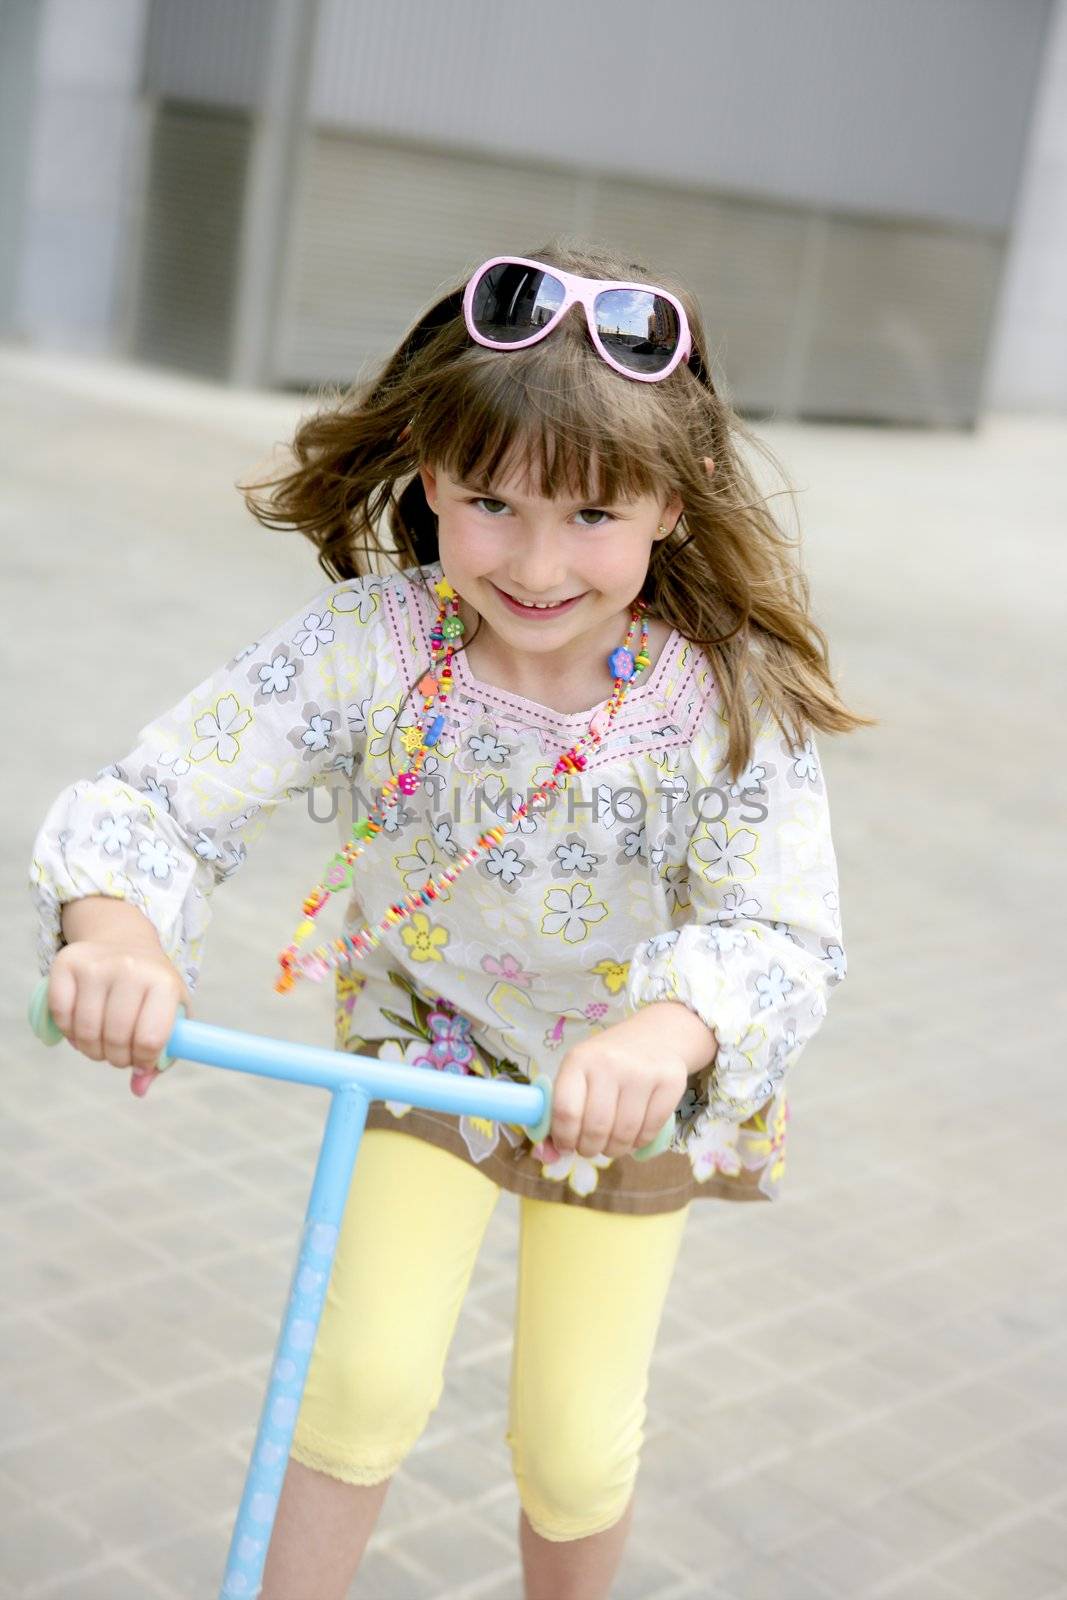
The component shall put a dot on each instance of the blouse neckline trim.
(532, 711)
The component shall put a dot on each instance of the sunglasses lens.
(639, 330)
(512, 302)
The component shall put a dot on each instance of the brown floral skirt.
(746, 1163)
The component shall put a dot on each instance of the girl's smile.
(537, 609)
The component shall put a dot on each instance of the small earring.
(662, 529)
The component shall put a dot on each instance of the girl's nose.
(539, 570)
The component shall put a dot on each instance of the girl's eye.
(486, 500)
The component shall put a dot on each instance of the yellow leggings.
(591, 1288)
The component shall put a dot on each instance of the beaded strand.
(436, 686)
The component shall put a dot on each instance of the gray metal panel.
(184, 315)
(914, 107)
(806, 315)
(1028, 364)
(742, 261)
(379, 228)
(901, 320)
(206, 50)
(19, 46)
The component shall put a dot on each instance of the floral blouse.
(653, 876)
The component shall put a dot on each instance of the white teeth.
(537, 605)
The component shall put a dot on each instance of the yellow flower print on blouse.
(569, 911)
(725, 853)
(761, 1141)
(218, 731)
(422, 939)
(612, 974)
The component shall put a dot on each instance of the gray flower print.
(803, 771)
(753, 778)
(156, 792)
(689, 1108)
(314, 734)
(633, 846)
(783, 1047)
(345, 762)
(771, 987)
(838, 962)
(443, 830)
(223, 860)
(205, 846)
(397, 818)
(112, 833)
(276, 679)
(231, 860)
(156, 859)
(245, 818)
(574, 855)
(318, 732)
(722, 938)
(504, 864)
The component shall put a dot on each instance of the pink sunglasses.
(638, 328)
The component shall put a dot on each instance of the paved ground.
(861, 1391)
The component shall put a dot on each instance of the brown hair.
(724, 577)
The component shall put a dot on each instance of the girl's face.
(501, 545)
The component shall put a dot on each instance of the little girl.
(592, 840)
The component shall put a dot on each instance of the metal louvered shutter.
(380, 228)
(901, 318)
(191, 238)
(807, 314)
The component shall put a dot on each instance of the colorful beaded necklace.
(436, 686)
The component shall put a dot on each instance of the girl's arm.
(102, 918)
(159, 829)
(763, 944)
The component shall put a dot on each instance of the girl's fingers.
(598, 1119)
(62, 990)
(662, 1104)
(153, 1027)
(568, 1105)
(630, 1116)
(87, 1022)
(120, 1014)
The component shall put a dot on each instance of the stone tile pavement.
(859, 1392)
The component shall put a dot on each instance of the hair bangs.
(555, 427)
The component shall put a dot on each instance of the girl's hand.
(612, 1096)
(116, 1001)
(616, 1089)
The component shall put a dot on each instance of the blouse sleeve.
(762, 946)
(173, 818)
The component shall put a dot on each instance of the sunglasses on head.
(637, 328)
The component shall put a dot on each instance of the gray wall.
(82, 169)
(1028, 369)
(876, 110)
(891, 106)
(19, 44)
(912, 107)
